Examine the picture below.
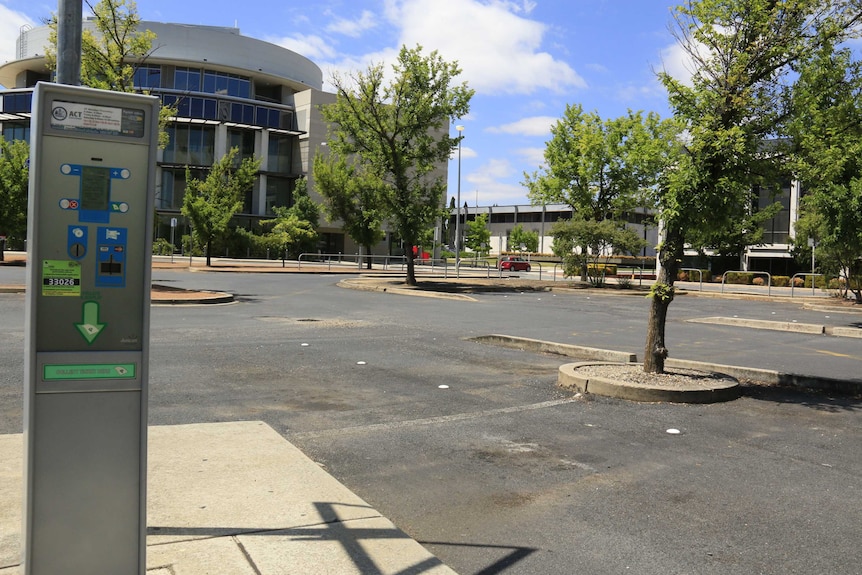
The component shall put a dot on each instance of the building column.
(261, 146)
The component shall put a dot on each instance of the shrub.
(781, 281)
(682, 276)
(758, 281)
(739, 278)
(162, 247)
(624, 282)
(798, 282)
(597, 269)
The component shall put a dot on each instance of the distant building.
(230, 91)
(774, 256)
(539, 219)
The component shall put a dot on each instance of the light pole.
(458, 209)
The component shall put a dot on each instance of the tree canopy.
(397, 132)
(826, 130)
(111, 56)
(743, 54)
(351, 194)
(478, 236)
(212, 202)
(14, 181)
(294, 229)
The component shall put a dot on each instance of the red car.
(514, 264)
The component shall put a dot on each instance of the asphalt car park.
(474, 451)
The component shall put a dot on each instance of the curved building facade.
(229, 90)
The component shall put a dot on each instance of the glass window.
(14, 131)
(243, 140)
(190, 145)
(148, 77)
(777, 229)
(17, 103)
(268, 117)
(227, 84)
(210, 109)
(170, 196)
(278, 193)
(280, 153)
(187, 79)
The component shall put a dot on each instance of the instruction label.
(61, 278)
(89, 371)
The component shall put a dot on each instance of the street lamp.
(458, 209)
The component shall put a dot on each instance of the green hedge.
(598, 269)
(739, 278)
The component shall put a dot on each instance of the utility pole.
(69, 25)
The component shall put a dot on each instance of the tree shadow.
(822, 400)
(351, 539)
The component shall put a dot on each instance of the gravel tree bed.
(633, 373)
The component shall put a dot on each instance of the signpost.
(87, 330)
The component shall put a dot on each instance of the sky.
(526, 59)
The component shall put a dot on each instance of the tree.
(601, 168)
(603, 239)
(397, 133)
(520, 237)
(14, 181)
(743, 52)
(111, 56)
(212, 202)
(478, 236)
(294, 229)
(351, 195)
(826, 131)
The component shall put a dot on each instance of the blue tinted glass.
(210, 109)
(248, 114)
(148, 77)
(14, 103)
(244, 89)
(183, 107)
(221, 84)
(197, 107)
(194, 80)
(180, 79)
(236, 113)
(209, 83)
(233, 86)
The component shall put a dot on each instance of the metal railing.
(802, 274)
(699, 271)
(767, 274)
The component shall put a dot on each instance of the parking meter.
(90, 219)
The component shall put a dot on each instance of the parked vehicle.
(514, 263)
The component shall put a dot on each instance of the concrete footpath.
(237, 498)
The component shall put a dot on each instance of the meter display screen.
(95, 188)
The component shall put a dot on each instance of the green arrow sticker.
(90, 327)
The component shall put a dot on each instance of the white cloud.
(466, 153)
(311, 46)
(535, 126)
(354, 28)
(493, 182)
(678, 63)
(498, 49)
(534, 157)
(10, 28)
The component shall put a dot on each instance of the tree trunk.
(411, 269)
(655, 351)
(662, 292)
(368, 257)
(209, 251)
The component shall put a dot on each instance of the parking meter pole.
(89, 253)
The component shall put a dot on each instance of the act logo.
(59, 113)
